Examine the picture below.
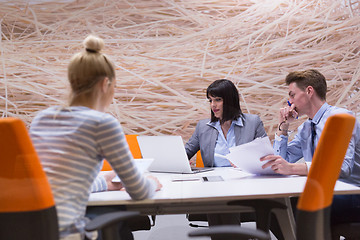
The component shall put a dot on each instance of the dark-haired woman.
(228, 127)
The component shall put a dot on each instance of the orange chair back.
(21, 174)
(133, 145)
(199, 162)
(314, 206)
(106, 166)
(134, 149)
(326, 163)
(27, 207)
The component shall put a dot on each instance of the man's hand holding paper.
(247, 156)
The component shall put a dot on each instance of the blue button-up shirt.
(223, 144)
(300, 146)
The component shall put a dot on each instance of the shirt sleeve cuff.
(277, 138)
(308, 165)
(99, 184)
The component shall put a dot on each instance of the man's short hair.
(306, 78)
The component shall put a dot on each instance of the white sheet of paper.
(142, 164)
(247, 156)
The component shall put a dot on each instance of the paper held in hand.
(247, 156)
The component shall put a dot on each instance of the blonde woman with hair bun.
(73, 141)
(86, 71)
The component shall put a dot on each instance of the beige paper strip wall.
(168, 52)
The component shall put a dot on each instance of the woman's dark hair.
(228, 92)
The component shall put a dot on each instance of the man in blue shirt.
(307, 96)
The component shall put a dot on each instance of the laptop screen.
(168, 153)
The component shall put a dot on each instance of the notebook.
(168, 153)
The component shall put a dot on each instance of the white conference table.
(188, 193)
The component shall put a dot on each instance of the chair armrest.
(107, 219)
(231, 232)
(109, 223)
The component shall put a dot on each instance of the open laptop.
(168, 153)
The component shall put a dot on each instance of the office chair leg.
(153, 218)
(262, 208)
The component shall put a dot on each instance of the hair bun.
(93, 44)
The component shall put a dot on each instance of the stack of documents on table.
(247, 156)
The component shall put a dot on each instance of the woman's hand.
(159, 185)
(111, 186)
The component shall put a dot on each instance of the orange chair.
(27, 207)
(313, 209)
(313, 215)
(134, 149)
(199, 162)
(133, 145)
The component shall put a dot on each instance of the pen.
(290, 106)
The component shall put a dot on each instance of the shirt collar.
(320, 113)
(238, 122)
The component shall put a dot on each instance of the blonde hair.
(88, 67)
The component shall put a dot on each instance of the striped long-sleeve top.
(72, 143)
